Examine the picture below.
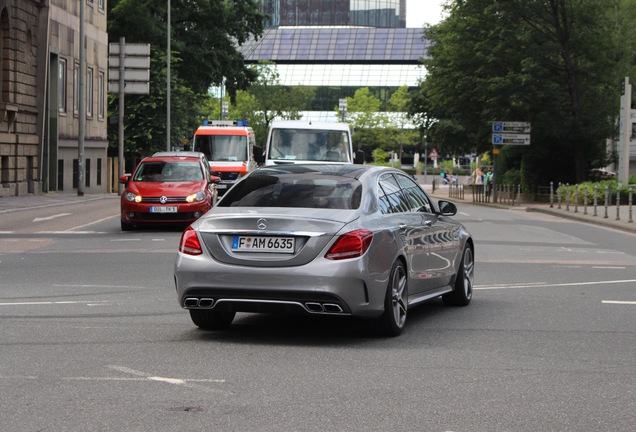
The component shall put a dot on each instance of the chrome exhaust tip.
(314, 307)
(206, 302)
(191, 302)
(332, 308)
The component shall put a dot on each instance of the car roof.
(301, 124)
(178, 153)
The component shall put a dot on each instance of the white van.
(295, 141)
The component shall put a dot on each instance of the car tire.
(126, 226)
(393, 320)
(211, 320)
(463, 291)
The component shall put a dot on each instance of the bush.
(573, 195)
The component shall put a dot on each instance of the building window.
(75, 173)
(60, 174)
(89, 92)
(100, 5)
(100, 95)
(88, 173)
(61, 85)
(76, 92)
(99, 172)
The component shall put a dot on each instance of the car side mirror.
(124, 179)
(447, 208)
(259, 157)
(358, 157)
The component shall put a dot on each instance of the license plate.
(263, 244)
(164, 209)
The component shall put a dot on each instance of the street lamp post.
(342, 105)
(81, 106)
(168, 84)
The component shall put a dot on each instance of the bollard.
(618, 204)
(576, 198)
(567, 197)
(606, 197)
(630, 206)
(551, 194)
(559, 195)
(585, 201)
(595, 199)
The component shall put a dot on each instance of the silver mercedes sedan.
(342, 240)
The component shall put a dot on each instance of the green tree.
(204, 37)
(364, 117)
(267, 100)
(550, 62)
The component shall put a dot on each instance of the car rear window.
(307, 191)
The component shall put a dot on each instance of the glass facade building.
(368, 13)
(342, 46)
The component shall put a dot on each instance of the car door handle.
(428, 222)
(402, 226)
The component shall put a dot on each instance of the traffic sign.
(511, 127)
(131, 87)
(506, 138)
(433, 154)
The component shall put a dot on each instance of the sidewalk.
(24, 202)
(571, 212)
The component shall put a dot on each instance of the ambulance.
(229, 146)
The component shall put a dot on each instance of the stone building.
(39, 102)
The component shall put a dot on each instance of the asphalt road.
(92, 338)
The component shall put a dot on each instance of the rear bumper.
(201, 283)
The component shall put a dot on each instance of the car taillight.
(350, 245)
(190, 242)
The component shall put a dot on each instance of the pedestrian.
(488, 183)
(478, 177)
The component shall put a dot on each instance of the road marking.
(175, 381)
(125, 240)
(546, 285)
(40, 303)
(70, 232)
(619, 302)
(92, 223)
(48, 218)
(609, 267)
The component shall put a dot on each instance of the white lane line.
(48, 218)
(619, 302)
(609, 267)
(125, 240)
(92, 223)
(545, 285)
(40, 303)
(175, 381)
(70, 232)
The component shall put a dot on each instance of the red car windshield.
(168, 172)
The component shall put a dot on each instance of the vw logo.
(163, 199)
(261, 224)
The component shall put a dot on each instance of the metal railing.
(576, 199)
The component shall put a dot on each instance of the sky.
(419, 12)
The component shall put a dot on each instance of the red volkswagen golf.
(168, 187)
